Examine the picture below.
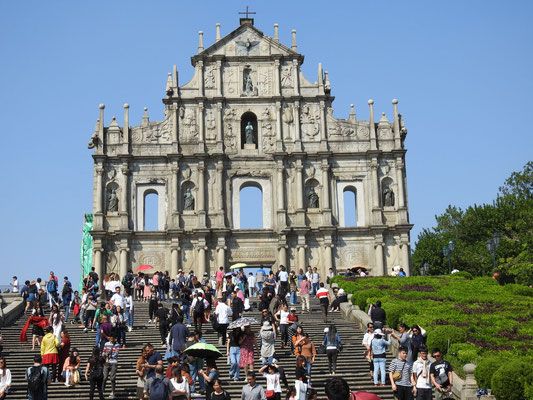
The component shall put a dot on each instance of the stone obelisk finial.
(218, 32)
(200, 41)
(294, 47)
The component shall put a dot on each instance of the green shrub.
(509, 380)
(463, 274)
(397, 311)
(465, 353)
(487, 367)
(442, 335)
(520, 290)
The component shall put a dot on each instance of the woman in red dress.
(247, 350)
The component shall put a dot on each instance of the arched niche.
(312, 194)
(151, 210)
(249, 118)
(188, 188)
(111, 197)
(265, 186)
(388, 197)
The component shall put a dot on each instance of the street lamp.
(492, 245)
(425, 269)
(447, 251)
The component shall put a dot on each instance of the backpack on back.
(199, 306)
(35, 380)
(51, 286)
(158, 389)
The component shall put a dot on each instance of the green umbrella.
(203, 350)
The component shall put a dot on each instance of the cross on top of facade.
(247, 12)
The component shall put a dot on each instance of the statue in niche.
(112, 201)
(188, 200)
(388, 197)
(248, 84)
(313, 198)
(249, 133)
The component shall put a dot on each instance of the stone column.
(123, 203)
(200, 65)
(174, 196)
(374, 183)
(282, 255)
(219, 126)
(381, 268)
(279, 133)
(175, 136)
(277, 78)
(201, 125)
(174, 261)
(301, 256)
(298, 135)
(219, 198)
(202, 248)
(98, 262)
(326, 206)
(323, 142)
(299, 185)
(328, 258)
(99, 195)
(295, 70)
(219, 78)
(404, 251)
(221, 252)
(123, 262)
(401, 192)
(201, 194)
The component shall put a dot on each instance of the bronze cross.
(247, 12)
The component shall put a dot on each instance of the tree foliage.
(511, 215)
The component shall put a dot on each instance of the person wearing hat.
(268, 338)
(379, 348)
(273, 385)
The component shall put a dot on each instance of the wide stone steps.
(350, 365)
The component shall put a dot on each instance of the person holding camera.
(379, 346)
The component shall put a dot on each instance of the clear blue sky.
(462, 71)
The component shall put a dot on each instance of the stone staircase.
(351, 365)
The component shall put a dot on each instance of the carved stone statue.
(388, 197)
(188, 200)
(248, 85)
(313, 198)
(112, 201)
(249, 133)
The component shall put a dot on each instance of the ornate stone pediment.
(247, 41)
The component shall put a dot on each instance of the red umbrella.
(144, 267)
(366, 396)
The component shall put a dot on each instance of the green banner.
(86, 248)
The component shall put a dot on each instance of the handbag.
(76, 377)
(321, 349)
(397, 375)
(269, 394)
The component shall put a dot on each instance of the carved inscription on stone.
(265, 83)
(230, 81)
(253, 254)
(153, 259)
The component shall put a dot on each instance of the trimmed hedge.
(510, 380)
(484, 323)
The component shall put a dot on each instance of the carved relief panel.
(188, 125)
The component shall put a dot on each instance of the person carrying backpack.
(94, 373)
(51, 288)
(38, 379)
(198, 307)
(158, 387)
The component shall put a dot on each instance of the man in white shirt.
(421, 374)
(15, 285)
(251, 285)
(118, 299)
(222, 312)
(283, 277)
(315, 279)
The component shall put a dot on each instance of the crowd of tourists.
(180, 307)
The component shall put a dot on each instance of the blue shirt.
(379, 346)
